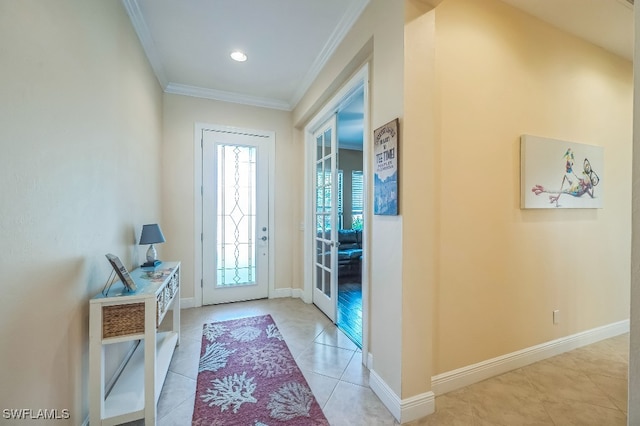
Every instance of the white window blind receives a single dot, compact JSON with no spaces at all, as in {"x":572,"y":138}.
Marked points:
{"x":340,"y":192}
{"x":357,"y":198}
{"x":357,"y":192}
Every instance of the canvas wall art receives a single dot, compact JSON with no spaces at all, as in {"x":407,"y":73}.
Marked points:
{"x":560,"y":174}
{"x":385,"y":175}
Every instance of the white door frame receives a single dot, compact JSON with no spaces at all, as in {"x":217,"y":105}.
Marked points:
{"x":270,"y":140}
{"x":342,"y":97}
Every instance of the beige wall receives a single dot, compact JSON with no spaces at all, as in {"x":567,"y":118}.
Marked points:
{"x":376,"y":37}
{"x":500,"y":270}
{"x":181,"y":113}
{"x":79,"y":166}
{"x":634,"y":347}
{"x":419,"y":193}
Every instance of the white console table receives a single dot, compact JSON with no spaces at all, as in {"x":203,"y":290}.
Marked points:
{"x":123,"y":316}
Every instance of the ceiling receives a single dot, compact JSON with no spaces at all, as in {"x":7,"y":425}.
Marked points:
{"x":188,"y":42}
{"x":287,"y":42}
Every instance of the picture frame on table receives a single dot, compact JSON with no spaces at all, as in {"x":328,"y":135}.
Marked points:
{"x":121,"y":271}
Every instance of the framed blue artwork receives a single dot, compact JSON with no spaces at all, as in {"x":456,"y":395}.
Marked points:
{"x":385,"y":175}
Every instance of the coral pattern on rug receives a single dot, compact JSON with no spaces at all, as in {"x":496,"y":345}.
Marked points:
{"x":247,"y":376}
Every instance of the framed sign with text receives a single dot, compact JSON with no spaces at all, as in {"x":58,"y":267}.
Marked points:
{"x":385,"y":169}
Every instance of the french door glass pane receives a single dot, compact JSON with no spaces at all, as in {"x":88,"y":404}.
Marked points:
{"x":327,"y":256}
{"x":319,"y":187}
{"x":319,"y":276}
{"x":327,"y":283}
{"x":327,"y":185}
{"x":320,"y":143}
{"x":236,"y":250}
{"x":327,"y":142}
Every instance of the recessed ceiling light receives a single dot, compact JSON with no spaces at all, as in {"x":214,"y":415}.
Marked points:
{"x":239,"y":56}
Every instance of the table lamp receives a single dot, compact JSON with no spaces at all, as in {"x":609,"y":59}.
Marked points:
{"x":151,"y":234}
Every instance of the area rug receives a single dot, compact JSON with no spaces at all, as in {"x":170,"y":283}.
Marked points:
{"x":247,"y":376}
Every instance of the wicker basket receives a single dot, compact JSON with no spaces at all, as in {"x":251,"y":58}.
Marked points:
{"x":122,"y":320}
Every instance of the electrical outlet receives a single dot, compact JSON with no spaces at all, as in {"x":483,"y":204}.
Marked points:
{"x":556,"y":316}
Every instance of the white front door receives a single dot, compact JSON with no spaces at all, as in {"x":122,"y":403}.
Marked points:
{"x":235,"y":216}
{"x":326,"y":219}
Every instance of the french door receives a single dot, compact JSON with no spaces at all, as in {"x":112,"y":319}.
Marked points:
{"x":326,"y":219}
{"x":235,"y":216}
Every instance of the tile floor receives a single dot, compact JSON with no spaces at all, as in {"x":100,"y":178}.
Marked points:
{"x":587,"y":386}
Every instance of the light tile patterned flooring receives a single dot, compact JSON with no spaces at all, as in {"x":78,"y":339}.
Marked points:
{"x":587,"y":386}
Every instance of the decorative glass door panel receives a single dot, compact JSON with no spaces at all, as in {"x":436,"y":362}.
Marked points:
{"x":235,"y":217}
{"x":326,"y":187}
{"x":236,"y":245}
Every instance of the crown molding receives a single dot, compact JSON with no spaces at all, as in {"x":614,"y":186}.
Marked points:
{"x":338,"y":35}
{"x":144,"y":35}
{"x":220,"y":95}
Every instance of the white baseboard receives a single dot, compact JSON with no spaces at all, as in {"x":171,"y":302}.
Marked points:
{"x":286,"y":292}
{"x":280,"y":292}
{"x":385,"y":393}
{"x":418,"y":406}
{"x":190,"y":302}
{"x":404,"y":410}
{"x":187,"y":302}
{"x":297,"y":293}
{"x":465,"y":376}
